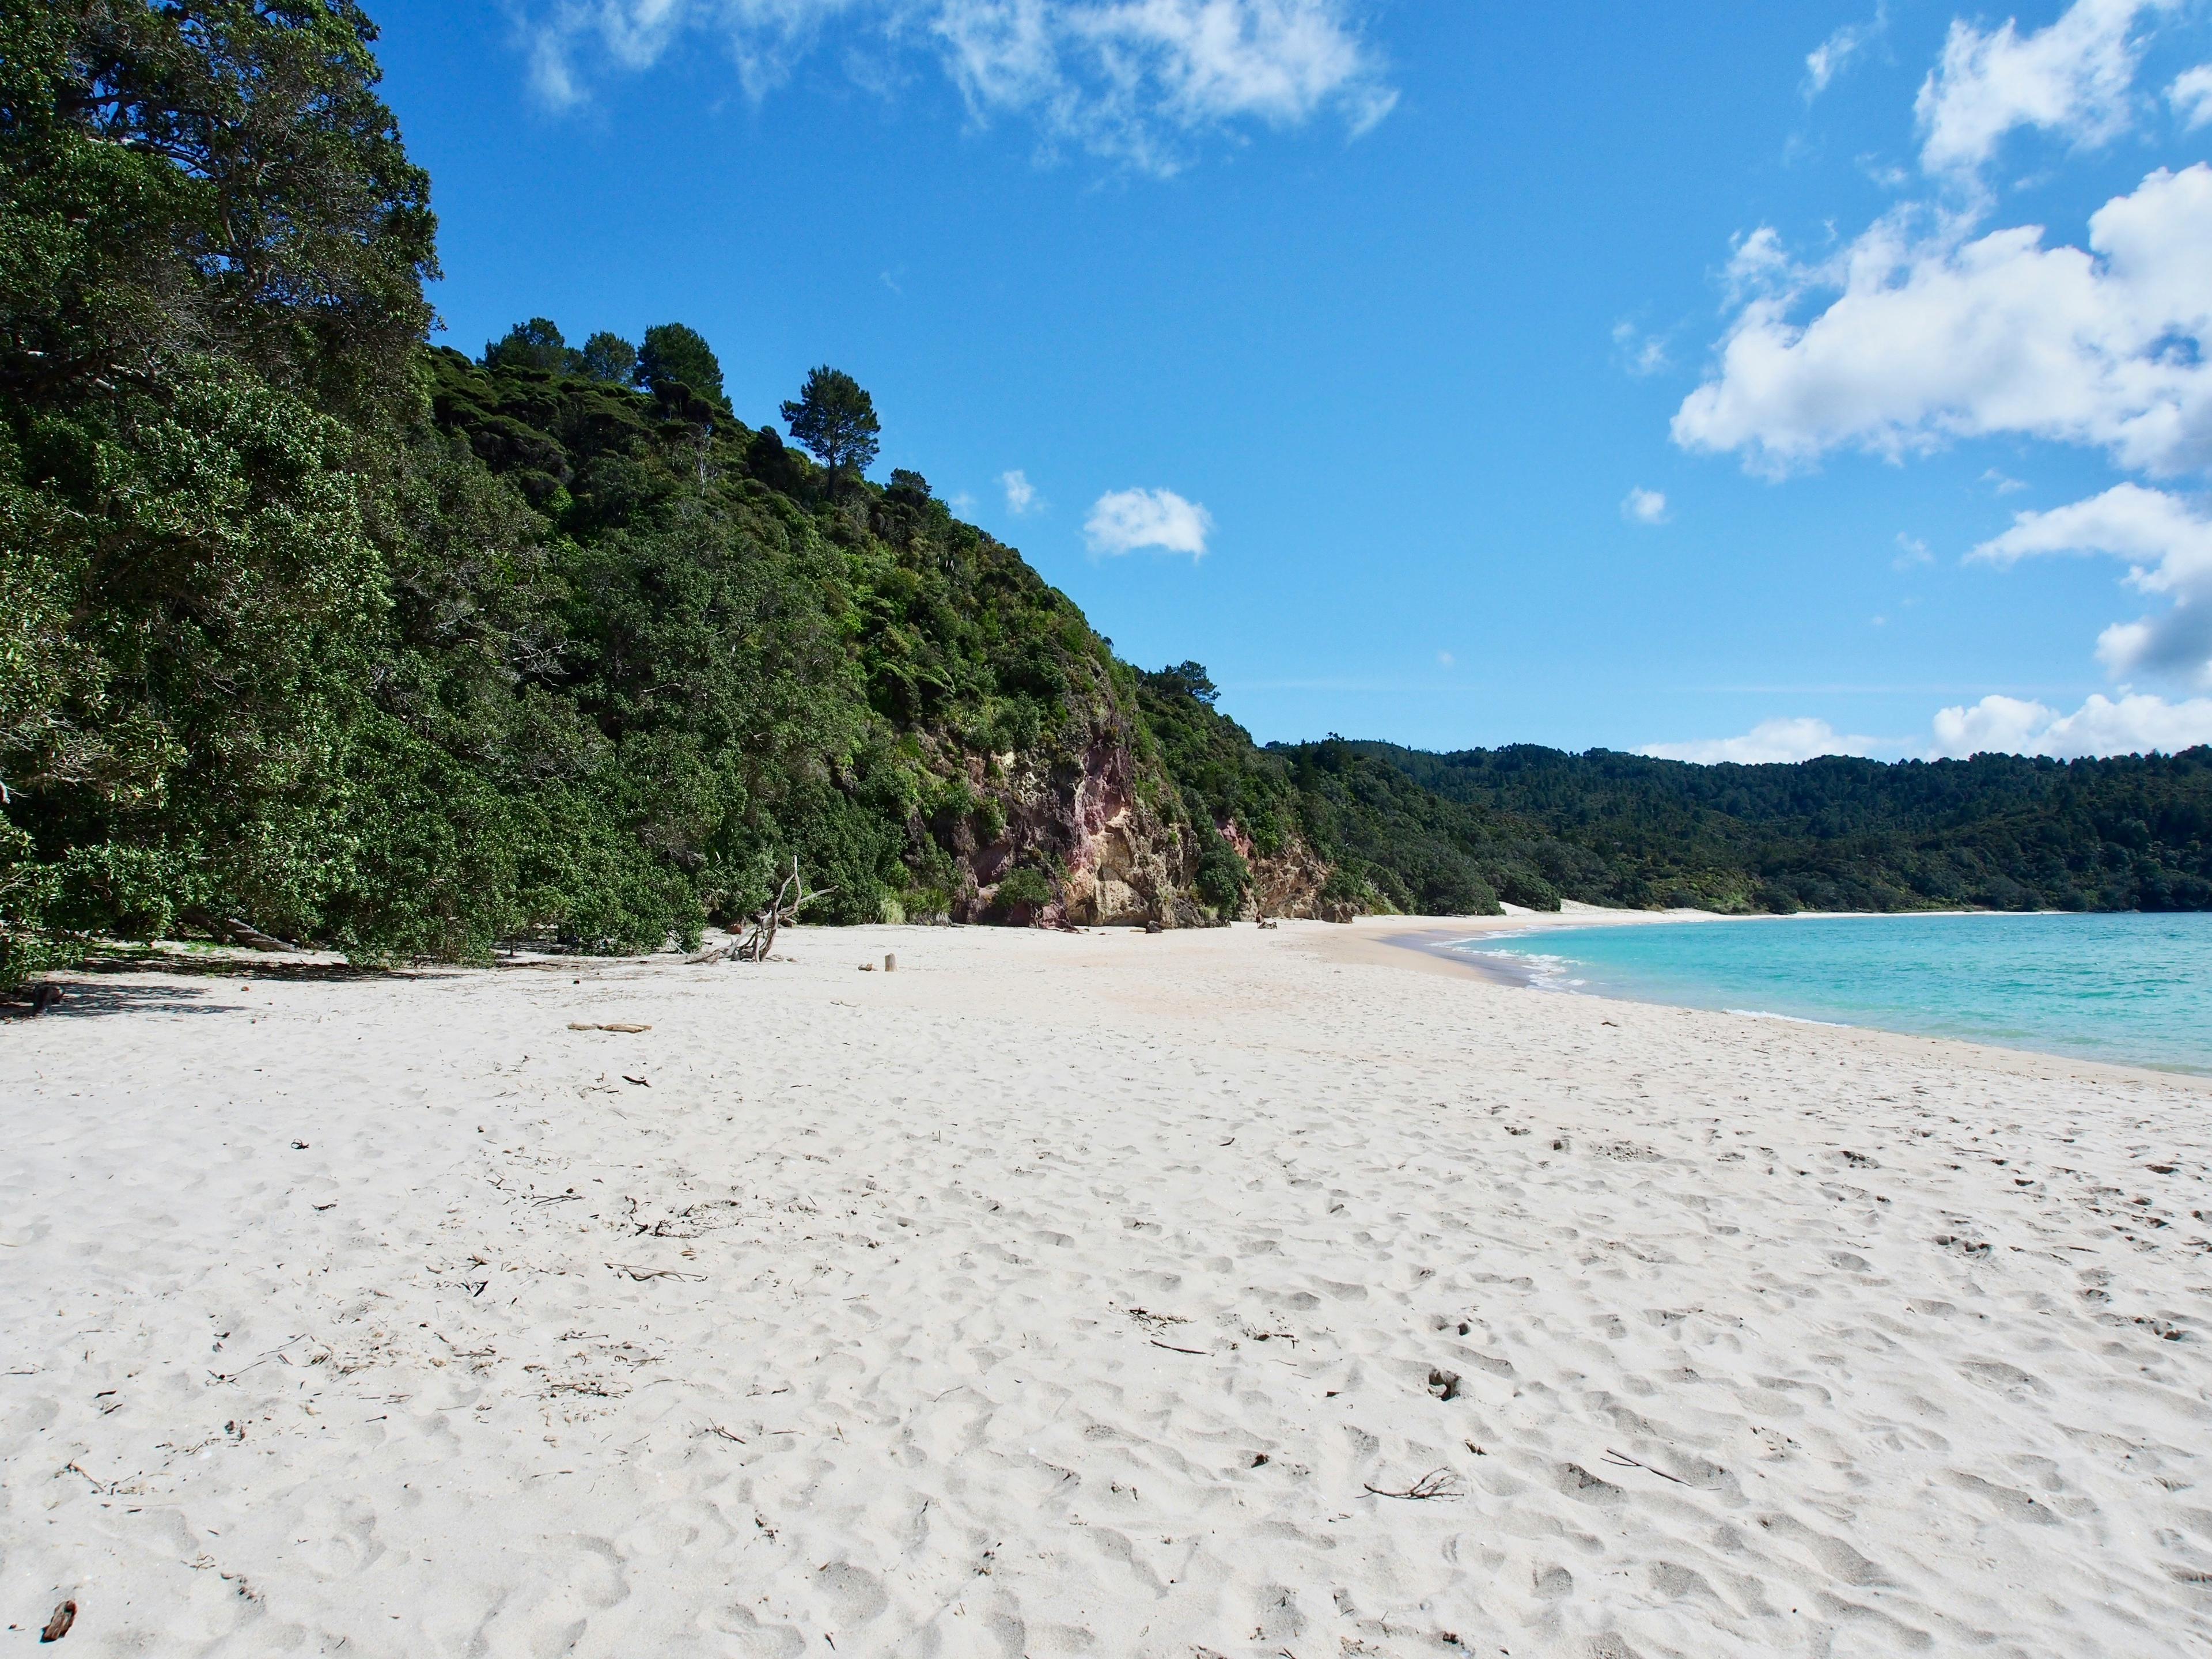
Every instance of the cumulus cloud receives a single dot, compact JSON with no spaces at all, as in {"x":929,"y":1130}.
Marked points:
{"x":1642,"y":506}
{"x":1933,"y":334}
{"x":1021,"y":494}
{"x":2072,"y":80}
{"x":1123,"y":520}
{"x":1135,"y":79}
{"x":2168,"y":544}
{"x":2134,"y":725}
{"x":1768,"y":741}
{"x":1833,"y":55}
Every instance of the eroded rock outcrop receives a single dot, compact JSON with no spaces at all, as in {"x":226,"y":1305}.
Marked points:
{"x":1103,"y":855}
{"x":1287,"y":883}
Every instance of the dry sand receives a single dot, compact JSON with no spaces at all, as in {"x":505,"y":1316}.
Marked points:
{"x":1101,"y":1295}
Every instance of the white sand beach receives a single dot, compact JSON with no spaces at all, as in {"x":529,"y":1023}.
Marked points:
{"x":1218,"y":1293}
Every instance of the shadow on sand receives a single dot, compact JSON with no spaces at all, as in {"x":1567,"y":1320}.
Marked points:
{"x":91,"y":990}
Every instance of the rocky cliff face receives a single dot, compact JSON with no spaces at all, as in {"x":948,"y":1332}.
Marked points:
{"x":1288,"y":883}
{"x":1105,"y":856}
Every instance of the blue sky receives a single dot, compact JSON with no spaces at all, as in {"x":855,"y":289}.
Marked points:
{"x":1456,"y":374}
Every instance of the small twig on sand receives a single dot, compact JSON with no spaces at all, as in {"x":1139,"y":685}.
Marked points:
{"x":1436,"y":1483}
{"x":1628,"y":1462}
{"x":606,"y":1025}
{"x":233,"y":1376}
{"x":643,"y":1273}
{"x":1172,"y":1348}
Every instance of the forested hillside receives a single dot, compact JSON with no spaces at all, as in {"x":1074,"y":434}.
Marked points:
{"x":2000,"y":831}
{"x":309,"y":630}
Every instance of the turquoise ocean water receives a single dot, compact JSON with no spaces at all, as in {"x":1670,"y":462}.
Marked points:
{"x":2134,"y":989}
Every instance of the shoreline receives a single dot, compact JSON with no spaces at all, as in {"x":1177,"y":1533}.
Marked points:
{"x":1433,"y":940}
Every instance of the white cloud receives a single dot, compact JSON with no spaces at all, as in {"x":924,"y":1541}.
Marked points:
{"x":1445,"y":659}
{"x":1021,"y":494}
{"x":1768,"y":741}
{"x":2000,"y":485}
{"x":2134,"y":725}
{"x":2191,"y":95}
{"x":1642,"y":506}
{"x":2071,"y":80}
{"x":1935,"y":336}
{"x":2168,"y":547}
{"x":1135,"y":79}
{"x":1641,"y":354}
{"x":1833,"y":55}
{"x":1910,"y":550}
{"x":1123,"y":520}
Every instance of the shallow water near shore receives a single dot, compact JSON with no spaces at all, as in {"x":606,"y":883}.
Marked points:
{"x":2128,"y":989}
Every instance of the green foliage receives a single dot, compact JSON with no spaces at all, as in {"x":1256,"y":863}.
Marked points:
{"x":535,"y":344}
{"x":1026,"y":885}
{"x":1226,"y":783}
{"x":220,"y":178}
{"x":835,"y":419}
{"x":608,"y":357}
{"x":675,"y":355}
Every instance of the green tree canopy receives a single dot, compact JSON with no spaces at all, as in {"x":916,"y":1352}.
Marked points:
{"x":205,"y":174}
{"x":534,"y":345}
{"x":834,"y":419}
{"x":610,"y":358}
{"x":673,"y":352}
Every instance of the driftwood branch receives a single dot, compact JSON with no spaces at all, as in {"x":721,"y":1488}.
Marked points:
{"x":235,"y":932}
{"x":792,"y":896}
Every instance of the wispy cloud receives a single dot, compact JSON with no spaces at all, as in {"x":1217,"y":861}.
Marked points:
{"x":1123,"y":520}
{"x":2071,"y":80}
{"x":1642,"y":506}
{"x":1834,"y":55}
{"x":1138,"y":81}
{"x":1021,"y":494}
{"x":1641,"y":354}
{"x":1911,"y":551}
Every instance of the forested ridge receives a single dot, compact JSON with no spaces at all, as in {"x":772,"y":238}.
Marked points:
{"x":1994,"y":831}
{"x":311,"y":630}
